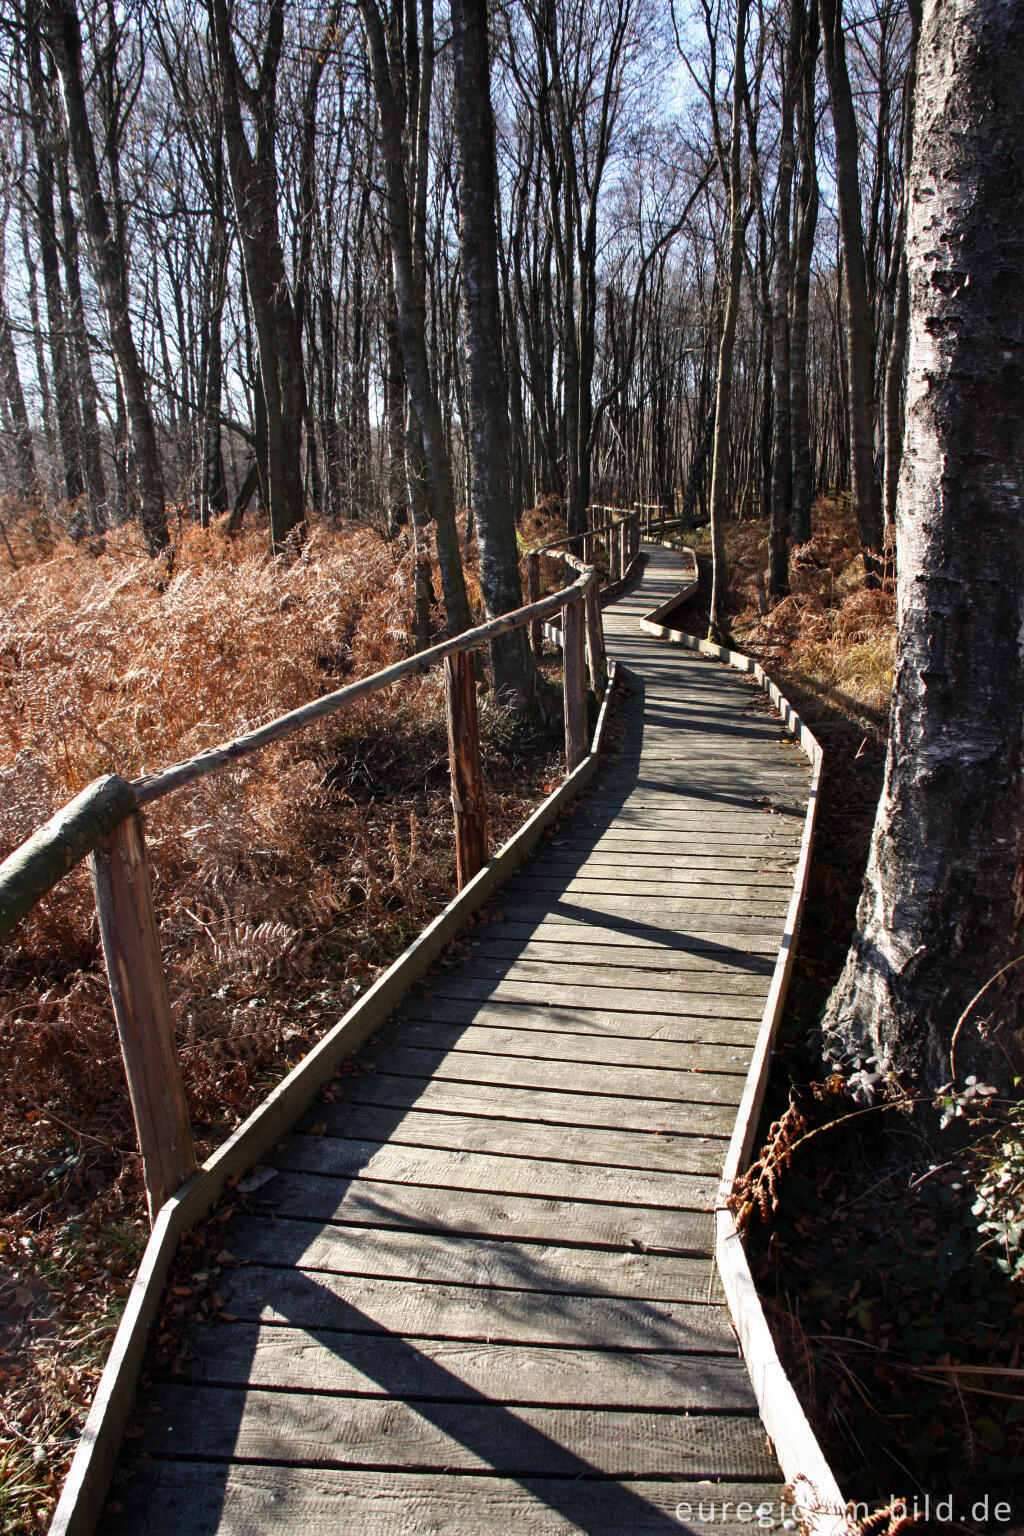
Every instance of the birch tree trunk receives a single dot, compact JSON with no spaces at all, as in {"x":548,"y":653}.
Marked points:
{"x":943,"y":899}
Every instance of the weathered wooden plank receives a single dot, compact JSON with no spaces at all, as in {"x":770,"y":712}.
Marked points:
{"x":342,"y":1156}
{"x":709,"y":1005}
{"x":700,"y":972}
{"x":378,"y":1365}
{"x":691,"y":895}
{"x":457,"y":1259}
{"x":568,"y":926}
{"x":671,"y":1117}
{"x":585,"y":1021}
{"x":620,"y":974}
{"x":534,"y":1040}
{"x":679,"y":1086}
{"x":212,"y":1499}
{"x":368,"y":1203}
{"x":519,"y":903}
{"x":328,"y":1431}
{"x":323,"y":1303}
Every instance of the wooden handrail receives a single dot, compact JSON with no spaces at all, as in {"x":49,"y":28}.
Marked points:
{"x":102,"y":823}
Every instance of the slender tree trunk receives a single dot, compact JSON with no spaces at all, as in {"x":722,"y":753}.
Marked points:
{"x":807,"y":34}
{"x":723,"y":397}
{"x":859,"y":326}
{"x":10,"y":382}
{"x":65,"y":39}
{"x":896,"y":361}
{"x":412,"y":324}
{"x":941,"y":907}
{"x":782,"y":463}
{"x":88,"y":394}
{"x":490,"y":440}
{"x":253,"y":175}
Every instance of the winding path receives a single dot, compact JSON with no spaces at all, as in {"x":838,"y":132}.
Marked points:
{"x":479,"y":1293}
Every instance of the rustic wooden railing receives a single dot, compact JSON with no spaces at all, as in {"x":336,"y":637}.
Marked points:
{"x":103,"y":824}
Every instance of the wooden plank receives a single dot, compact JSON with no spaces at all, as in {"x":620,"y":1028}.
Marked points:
{"x":197,"y":1499}
{"x":621,"y":974}
{"x":322,"y":1303}
{"x":534,"y":1040}
{"x":708,"y":1005}
{"x":341,"y":1156}
{"x":699,"y":971}
{"x":448,"y":1259}
{"x":716,"y":896}
{"x":671,"y":1118}
{"x":681,"y":1085}
{"x":328,"y":1431}
{"x":569,"y":927}
{"x":617,"y":1024}
{"x":366,"y":1203}
{"x":719,"y":925}
{"x":376,"y":1365}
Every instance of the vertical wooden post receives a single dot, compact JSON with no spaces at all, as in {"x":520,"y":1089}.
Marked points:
{"x":533,"y":596}
{"x":595,"y":641}
{"x":614,"y":551}
{"x":138,"y":989}
{"x":624,"y":546}
{"x":464,"y":763}
{"x":574,"y":685}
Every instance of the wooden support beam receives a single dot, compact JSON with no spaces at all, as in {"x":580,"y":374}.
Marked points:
{"x":614,"y":550}
{"x":464,"y":763}
{"x":574,"y":685}
{"x":595,"y":641}
{"x":623,"y":546}
{"x":533,"y":596}
{"x":138,"y":989}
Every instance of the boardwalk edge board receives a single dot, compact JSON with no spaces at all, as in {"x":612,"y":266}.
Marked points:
{"x":92,"y":1466}
{"x":801,"y":1458}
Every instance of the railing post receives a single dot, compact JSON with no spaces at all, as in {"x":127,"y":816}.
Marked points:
{"x":595,"y":640}
{"x":614,"y":552}
{"x":574,"y":685}
{"x":533,"y":596}
{"x":464,"y":764}
{"x":624,"y":546}
{"x":142,"y":1009}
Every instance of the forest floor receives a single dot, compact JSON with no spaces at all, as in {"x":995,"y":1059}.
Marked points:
{"x":892,"y":1303}
{"x":282,"y":888}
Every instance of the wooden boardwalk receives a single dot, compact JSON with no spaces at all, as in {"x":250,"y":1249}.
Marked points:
{"x":478,"y":1295}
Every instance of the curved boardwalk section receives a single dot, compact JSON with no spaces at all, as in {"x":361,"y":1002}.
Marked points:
{"x":479,"y":1293}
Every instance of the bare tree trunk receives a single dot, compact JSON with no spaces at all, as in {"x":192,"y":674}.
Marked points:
{"x":10,"y":383}
{"x":65,"y":39}
{"x":409,"y":301}
{"x":782,"y":468}
{"x":88,"y":394}
{"x":723,"y":397}
{"x":941,"y":907}
{"x":807,"y":35}
{"x":513,"y":670}
{"x":896,"y":360}
{"x":859,"y":329}
{"x":253,"y":173}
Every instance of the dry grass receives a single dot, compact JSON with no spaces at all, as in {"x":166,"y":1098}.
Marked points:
{"x":281,"y":886}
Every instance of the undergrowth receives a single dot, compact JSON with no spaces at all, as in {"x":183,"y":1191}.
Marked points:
{"x":282,"y":887}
